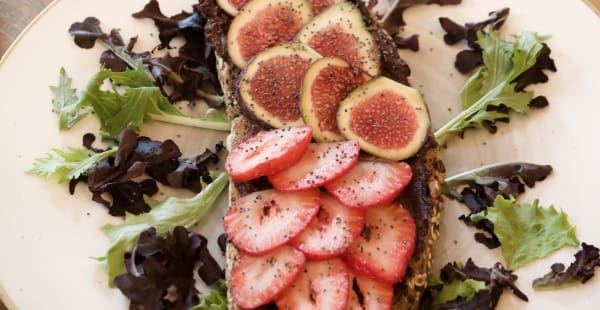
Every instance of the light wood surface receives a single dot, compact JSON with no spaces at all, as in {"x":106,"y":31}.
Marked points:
{"x":594,"y":5}
{"x":15,"y":15}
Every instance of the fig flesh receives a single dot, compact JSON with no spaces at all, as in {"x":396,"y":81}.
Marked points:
{"x":261,"y":24}
{"x":326,"y":83}
{"x":319,"y":5}
{"x":269,"y":86}
{"x":389,"y":119}
{"x":232,"y":7}
{"x":339,"y":31}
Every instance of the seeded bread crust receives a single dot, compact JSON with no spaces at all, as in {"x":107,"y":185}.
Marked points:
{"x":422,"y":195}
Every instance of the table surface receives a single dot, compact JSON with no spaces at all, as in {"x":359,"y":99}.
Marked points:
{"x":15,"y":15}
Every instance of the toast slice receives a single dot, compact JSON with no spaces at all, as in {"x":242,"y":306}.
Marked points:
{"x":422,"y":197}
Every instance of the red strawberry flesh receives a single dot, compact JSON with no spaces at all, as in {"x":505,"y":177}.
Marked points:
{"x":332,"y":231}
{"x":371,"y":183}
{"x":369,"y":294}
{"x":264,"y":220}
{"x":321,"y":163}
{"x":385,"y":245}
{"x":322,"y":285}
{"x":257,"y":280}
{"x":268,"y":152}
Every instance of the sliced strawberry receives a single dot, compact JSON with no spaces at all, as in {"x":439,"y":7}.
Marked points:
{"x":371,"y":183}
{"x":322,"y":163}
{"x":385,"y":245}
{"x":268,"y":152}
{"x":261,"y":221}
{"x":369,"y":294}
{"x":332,"y":231}
{"x":322,"y":285}
{"x":257,"y":280}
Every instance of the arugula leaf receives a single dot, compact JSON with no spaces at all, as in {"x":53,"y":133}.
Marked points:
{"x":527,"y":231}
{"x":491,"y":89}
{"x":68,"y":163}
{"x":66,"y":103}
{"x":215,"y":300}
{"x":139,"y":102}
{"x":164,"y":217}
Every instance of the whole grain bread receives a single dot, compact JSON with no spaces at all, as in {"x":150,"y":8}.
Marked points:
{"x":422,"y":197}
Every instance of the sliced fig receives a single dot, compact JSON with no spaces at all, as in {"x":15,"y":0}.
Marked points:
{"x":326,"y":83}
{"x":319,"y":5}
{"x":389,"y":119}
{"x":340,"y":31}
{"x":232,"y":7}
{"x":269,"y":86}
{"x":261,"y":24}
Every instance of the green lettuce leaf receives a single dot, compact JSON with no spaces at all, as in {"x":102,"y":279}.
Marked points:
{"x":134,"y":100}
{"x":215,"y":300}
{"x":68,"y":163}
{"x":493,"y":84}
{"x":468,"y":286}
{"x":456,"y":288}
{"x":164,"y":217}
{"x":527,"y":231}
{"x":66,"y":103}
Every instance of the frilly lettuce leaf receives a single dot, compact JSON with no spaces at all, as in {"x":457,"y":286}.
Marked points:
{"x":164,"y":217}
{"x":527,"y":231}
{"x":66,"y":103}
{"x":68,"y":163}
{"x":134,"y":100}
{"x":455,"y":288}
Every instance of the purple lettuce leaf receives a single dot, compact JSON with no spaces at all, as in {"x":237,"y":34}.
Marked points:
{"x":496,"y":280}
{"x":471,"y":58}
{"x":580,"y":271}
{"x":192,"y":74}
{"x":478,"y":188}
{"x":394,"y":18}
{"x":160,"y":271}
{"x":118,"y":176}
{"x":410,"y":42}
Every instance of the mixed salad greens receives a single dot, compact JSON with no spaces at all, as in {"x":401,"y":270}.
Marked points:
{"x":494,"y":84}
{"x":152,"y":250}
